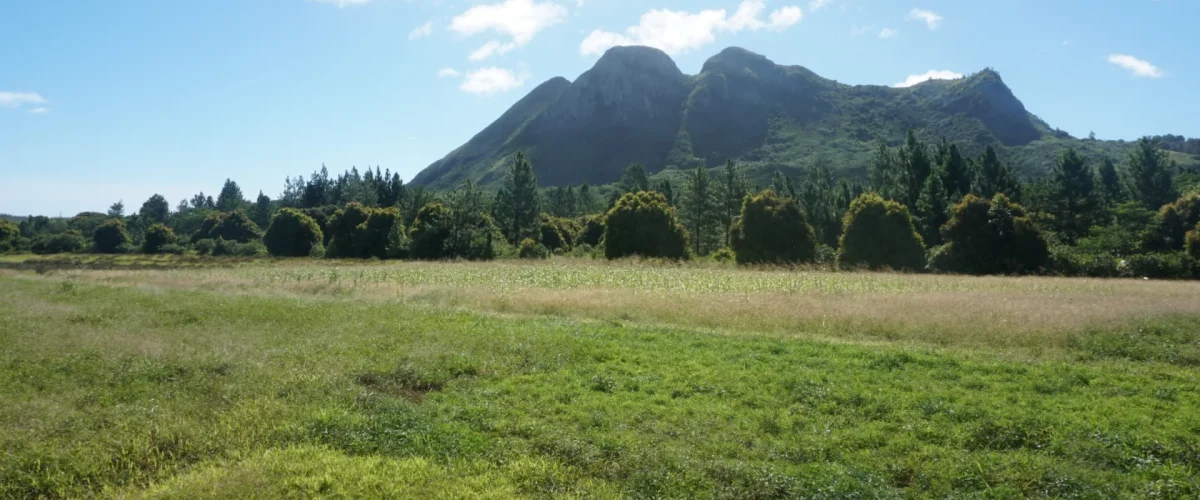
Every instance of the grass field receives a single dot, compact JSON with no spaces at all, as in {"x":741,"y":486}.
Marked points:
{"x":567,"y":378}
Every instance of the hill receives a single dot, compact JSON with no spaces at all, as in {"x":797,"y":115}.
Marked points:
{"x":636,"y":106}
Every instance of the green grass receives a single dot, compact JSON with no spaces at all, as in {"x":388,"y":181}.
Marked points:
{"x":135,"y":383}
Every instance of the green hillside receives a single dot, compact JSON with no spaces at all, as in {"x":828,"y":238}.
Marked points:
{"x":635,"y":106}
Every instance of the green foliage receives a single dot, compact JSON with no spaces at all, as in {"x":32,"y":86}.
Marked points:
{"x":205,"y":246}
{"x":723,"y":255}
{"x":1152,"y":173}
{"x":634,"y":179}
{"x":558,"y":233}
{"x":231,"y":248}
{"x":517,"y":202}
{"x":993,"y":177}
{"x":232,"y":226}
{"x":731,"y":190}
{"x":292,"y":234}
{"x":644,"y":224}
{"x":990,"y":238}
{"x":9,"y":233}
{"x":772,"y":230}
{"x":530,"y":249}
{"x":87,"y":222}
{"x":157,"y":238}
{"x":700,"y":212}
{"x":433,"y":235}
{"x":110,"y":237}
{"x":50,"y":244}
{"x":231,"y":198}
{"x":880,"y":234}
{"x":1173,"y":265}
{"x":1075,"y":199}
{"x":360,"y":232}
{"x":155,"y":210}
{"x":1192,"y":243}
{"x":591,"y":232}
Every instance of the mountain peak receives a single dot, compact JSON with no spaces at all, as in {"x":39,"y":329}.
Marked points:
{"x":737,"y":59}
{"x":637,"y":58}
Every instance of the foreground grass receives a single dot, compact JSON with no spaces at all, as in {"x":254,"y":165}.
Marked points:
{"x":153,"y":389}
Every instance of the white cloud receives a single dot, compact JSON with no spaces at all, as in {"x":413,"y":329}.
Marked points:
{"x":888,"y":33}
{"x":1137,"y":67}
{"x":18,"y":99}
{"x":39,"y":111}
{"x":676,"y":32}
{"x":931,"y":18}
{"x":448,"y":73}
{"x":929,"y":75}
{"x":490,"y":48}
{"x":421,"y":31}
{"x":488,"y":81}
{"x":518,"y":19}
{"x":818,"y":4}
{"x":857,"y":31}
{"x":343,"y":3}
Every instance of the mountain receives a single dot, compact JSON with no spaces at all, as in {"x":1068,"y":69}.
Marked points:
{"x":636,"y":106}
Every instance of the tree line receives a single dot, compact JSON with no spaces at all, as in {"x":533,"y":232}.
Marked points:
{"x":921,"y":207}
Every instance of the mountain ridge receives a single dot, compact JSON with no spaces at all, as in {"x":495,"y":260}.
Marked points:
{"x":635,"y":106}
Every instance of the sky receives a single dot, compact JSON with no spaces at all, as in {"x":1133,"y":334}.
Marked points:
{"x":110,"y":100}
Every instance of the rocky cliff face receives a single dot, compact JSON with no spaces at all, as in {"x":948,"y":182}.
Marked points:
{"x":636,"y":106}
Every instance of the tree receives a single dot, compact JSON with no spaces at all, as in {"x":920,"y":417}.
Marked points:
{"x":9,"y":233}
{"x":879,"y":233}
{"x":634,"y":179}
{"x":293,"y":234}
{"x":231,"y":197}
{"x":731,"y":191}
{"x":1172,"y":223}
{"x":773,"y":229}
{"x":117,"y":209}
{"x":471,"y":230}
{"x":111,"y":236}
{"x":155,"y":210}
{"x":885,"y":173}
{"x":1152,"y":173}
{"x":643,"y":224}
{"x":1112,"y":191}
{"x":699,"y":211}
{"x":994,"y":237}
{"x":1074,"y":196}
{"x":916,"y":166}
{"x":261,"y":212}
{"x":1192,"y":244}
{"x":157,"y":237}
{"x":664,"y":187}
{"x":232,"y":226}
{"x":517,"y":202}
{"x":956,"y":173}
{"x":48,"y":244}
{"x":817,"y":198}
{"x":993,"y":177}
{"x":933,"y":209}
{"x":318,"y":190}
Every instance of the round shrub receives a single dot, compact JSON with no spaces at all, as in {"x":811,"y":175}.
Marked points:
{"x":49,"y":244}
{"x":644,"y":224}
{"x":292,"y":234}
{"x":429,"y":232}
{"x":530,"y":249}
{"x":772,"y":230}
{"x":591,"y":231}
{"x":1192,"y":243}
{"x":110,"y":237}
{"x":723,"y":255}
{"x":879,"y":233}
{"x":9,"y":233}
{"x":205,"y":246}
{"x":991,"y":238}
{"x":158,"y":237}
{"x":232,"y":226}
{"x":359,"y":232}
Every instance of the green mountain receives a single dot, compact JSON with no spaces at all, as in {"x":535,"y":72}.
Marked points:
{"x":636,"y":106}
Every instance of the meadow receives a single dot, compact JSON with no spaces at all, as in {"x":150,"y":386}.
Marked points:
{"x":134,"y":377}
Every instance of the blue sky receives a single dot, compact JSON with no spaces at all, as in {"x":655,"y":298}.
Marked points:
{"x":107,"y":100}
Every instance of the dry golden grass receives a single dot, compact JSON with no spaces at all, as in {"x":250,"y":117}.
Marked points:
{"x":961,"y":311}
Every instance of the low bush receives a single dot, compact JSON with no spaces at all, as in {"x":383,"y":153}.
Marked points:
{"x":50,"y":244}
{"x":293,"y":234}
{"x":530,"y":249}
{"x":157,"y":237}
{"x":1174,"y":265}
{"x":1070,"y":261}
{"x":231,"y":226}
{"x":205,"y":246}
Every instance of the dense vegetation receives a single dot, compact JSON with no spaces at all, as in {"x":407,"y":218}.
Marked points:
{"x":919,"y":207}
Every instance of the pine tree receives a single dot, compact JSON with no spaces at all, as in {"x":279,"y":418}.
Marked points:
{"x":732,"y":190}
{"x":517,"y":204}
{"x":993,"y":177}
{"x":884,"y":172}
{"x":664,"y":187}
{"x":1073,"y":194}
{"x":956,"y":173}
{"x":917,"y":165}
{"x":261,"y":213}
{"x":933,"y":209}
{"x":1112,"y":190}
{"x":230,"y":198}
{"x":779,"y":184}
{"x":586,"y":201}
{"x":1153,"y":174}
{"x":634,"y":179}
{"x":699,"y":211}
{"x":155,"y":210}
{"x":117,"y":209}
{"x":817,"y":198}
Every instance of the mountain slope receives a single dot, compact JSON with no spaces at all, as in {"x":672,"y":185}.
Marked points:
{"x":635,"y":106}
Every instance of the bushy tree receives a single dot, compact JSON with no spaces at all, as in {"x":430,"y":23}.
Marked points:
{"x":434,"y":235}
{"x":517,"y":202}
{"x":773,"y":230}
{"x":990,"y":238}
{"x":429,"y":232}
{"x":1173,"y":221}
{"x":634,"y":179}
{"x":87,"y":222}
{"x":1152,"y":173}
{"x":49,"y":244}
{"x":591,"y":230}
{"x":157,"y":237}
{"x":359,"y":232}
{"x":644,"y":224}
{"x":1192,"y":242}
{"x":293,"y":234}
{"x":110,"y":237}
{"x":879,"y":233}
{"x":155,"y":210}
{"x":232,"y":226}
{"x":530,"y":249}
{"x":9,"y":233}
